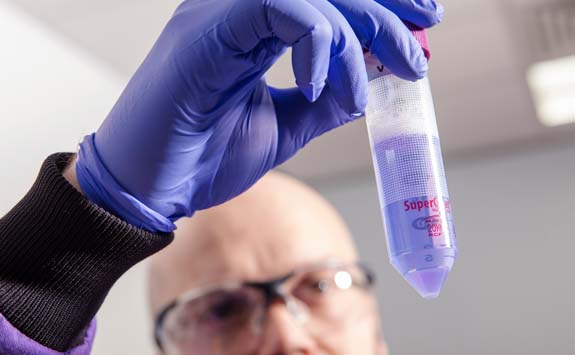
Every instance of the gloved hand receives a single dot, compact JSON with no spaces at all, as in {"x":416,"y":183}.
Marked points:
{"x":197,"y":124}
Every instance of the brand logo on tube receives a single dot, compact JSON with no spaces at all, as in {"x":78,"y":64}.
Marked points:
{"x":419,"y":205}
{"x":432,"y":224}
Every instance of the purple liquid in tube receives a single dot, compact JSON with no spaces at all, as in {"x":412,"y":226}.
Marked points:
{"x":417,"y":210}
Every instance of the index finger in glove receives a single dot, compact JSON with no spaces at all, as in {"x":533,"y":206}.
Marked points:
{"x":386,"y":36}
{"x":423,"y":13}
{"x":347,"y":76}
{"x":295,"y":23}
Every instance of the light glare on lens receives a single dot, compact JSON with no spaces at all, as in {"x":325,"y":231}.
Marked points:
{"x":343,"y":280}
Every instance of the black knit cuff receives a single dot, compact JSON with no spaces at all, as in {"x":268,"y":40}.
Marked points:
{"x":59,"y":256}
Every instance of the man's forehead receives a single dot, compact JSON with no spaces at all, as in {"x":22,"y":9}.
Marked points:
{"x":275,"y":227}
{"x":263,"y":247}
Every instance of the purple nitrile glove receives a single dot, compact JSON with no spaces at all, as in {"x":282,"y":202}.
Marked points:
{"x":197,"y":124}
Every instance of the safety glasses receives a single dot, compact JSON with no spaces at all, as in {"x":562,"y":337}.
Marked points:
{"x":228,"y":318}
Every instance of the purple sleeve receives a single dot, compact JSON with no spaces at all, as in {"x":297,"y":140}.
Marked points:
{"x":12,"y":341}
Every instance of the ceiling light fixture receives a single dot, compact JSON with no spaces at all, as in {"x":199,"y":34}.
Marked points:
{"x":552,"y":85}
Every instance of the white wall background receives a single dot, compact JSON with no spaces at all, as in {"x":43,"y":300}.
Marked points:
{"x":510,"y":292}
{"x":51,"y":94}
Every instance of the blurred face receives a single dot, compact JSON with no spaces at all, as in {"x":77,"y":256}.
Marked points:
{"x":272,"y":272}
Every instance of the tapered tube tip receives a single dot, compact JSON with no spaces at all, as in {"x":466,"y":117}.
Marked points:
{"x":427,"y":282}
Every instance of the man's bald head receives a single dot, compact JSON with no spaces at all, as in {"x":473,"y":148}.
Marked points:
{"x":277,"y":225}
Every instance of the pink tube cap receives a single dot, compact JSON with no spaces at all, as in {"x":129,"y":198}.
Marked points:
{"x":421,"y":35}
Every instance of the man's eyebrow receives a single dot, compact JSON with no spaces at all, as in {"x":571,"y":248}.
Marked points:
{"x":326,"y":262}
